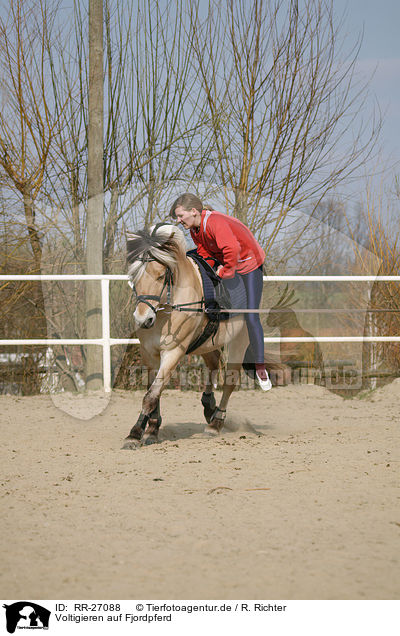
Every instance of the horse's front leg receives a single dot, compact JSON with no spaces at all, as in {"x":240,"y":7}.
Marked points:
{"x":136,"y":433}
{"x":150,"y":414}
{"x":150,"y":435}
{"x":154,"y":421}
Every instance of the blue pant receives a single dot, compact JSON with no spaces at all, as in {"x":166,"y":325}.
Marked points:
{"x":253,"y":282}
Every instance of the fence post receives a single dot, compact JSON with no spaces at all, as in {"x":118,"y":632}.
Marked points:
{"x":105,"y":315}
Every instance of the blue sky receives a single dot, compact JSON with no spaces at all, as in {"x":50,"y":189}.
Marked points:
{"x":379,"y":56}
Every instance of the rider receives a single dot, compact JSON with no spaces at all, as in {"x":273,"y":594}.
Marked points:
{"x":231,"y":243}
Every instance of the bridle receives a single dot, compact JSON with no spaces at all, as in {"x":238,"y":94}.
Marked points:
{"x":167,"y":284}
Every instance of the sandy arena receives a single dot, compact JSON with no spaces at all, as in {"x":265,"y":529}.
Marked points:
{"x":302,"y":501}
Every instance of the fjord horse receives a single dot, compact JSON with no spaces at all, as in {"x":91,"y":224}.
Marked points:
{"x":169,"y":318}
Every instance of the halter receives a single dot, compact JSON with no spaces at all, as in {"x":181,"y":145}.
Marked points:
{"x":168,"y":282}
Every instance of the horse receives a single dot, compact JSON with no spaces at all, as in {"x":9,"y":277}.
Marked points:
{"x":170,"y":320}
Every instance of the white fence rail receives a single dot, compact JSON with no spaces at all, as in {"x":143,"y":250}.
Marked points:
{"x":106,"y":342}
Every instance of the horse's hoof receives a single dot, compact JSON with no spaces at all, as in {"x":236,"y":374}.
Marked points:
{"x":217,"y":419}
{"x":210,"y":432}
{"x":131,"y":444}
{"x":149,"y":440}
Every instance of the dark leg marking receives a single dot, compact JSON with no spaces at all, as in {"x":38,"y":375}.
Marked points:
{"x":209,"y":404}
{"x":137,"y":430}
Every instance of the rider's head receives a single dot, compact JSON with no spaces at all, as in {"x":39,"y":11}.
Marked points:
{"x":187,"y":210}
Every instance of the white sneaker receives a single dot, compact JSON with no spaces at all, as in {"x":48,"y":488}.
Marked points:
{"x":266,"y":385}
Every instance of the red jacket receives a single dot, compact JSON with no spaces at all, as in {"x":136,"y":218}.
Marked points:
{"x":229,"y":241}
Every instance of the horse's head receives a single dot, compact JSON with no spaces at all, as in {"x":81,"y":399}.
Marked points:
{"x":153,"y":257}
{"x":152,"y":292}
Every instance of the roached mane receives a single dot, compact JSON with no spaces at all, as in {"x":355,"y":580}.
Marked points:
{"x":164,"y":243}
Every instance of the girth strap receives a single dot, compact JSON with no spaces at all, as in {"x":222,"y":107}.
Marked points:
{"x":210,"y":329}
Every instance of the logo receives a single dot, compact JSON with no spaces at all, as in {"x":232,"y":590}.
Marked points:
{"x":26,"y":615}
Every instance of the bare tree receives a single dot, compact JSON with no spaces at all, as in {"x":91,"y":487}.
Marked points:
{"x":284,"y":104}
{"x":27,"y":129}
{"x":379,"y":217}
{"x":27,"y":122}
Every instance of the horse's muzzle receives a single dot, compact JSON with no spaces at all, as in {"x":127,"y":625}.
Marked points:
{"x":145,"y":320}
{"x":149,"y":322}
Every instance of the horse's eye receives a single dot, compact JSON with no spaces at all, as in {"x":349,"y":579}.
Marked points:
{"x":160,"y":277}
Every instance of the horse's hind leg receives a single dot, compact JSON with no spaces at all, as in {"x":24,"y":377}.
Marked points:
{"x":236,"y":352}
{"x":217,"y":419}
{"x":209,"y":405}
{"x":207,"y":399}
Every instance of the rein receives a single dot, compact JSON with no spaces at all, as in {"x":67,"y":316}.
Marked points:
{"x":167,"y":284}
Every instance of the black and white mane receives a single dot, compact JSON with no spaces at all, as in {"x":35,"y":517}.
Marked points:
{"x":164,"y":243}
